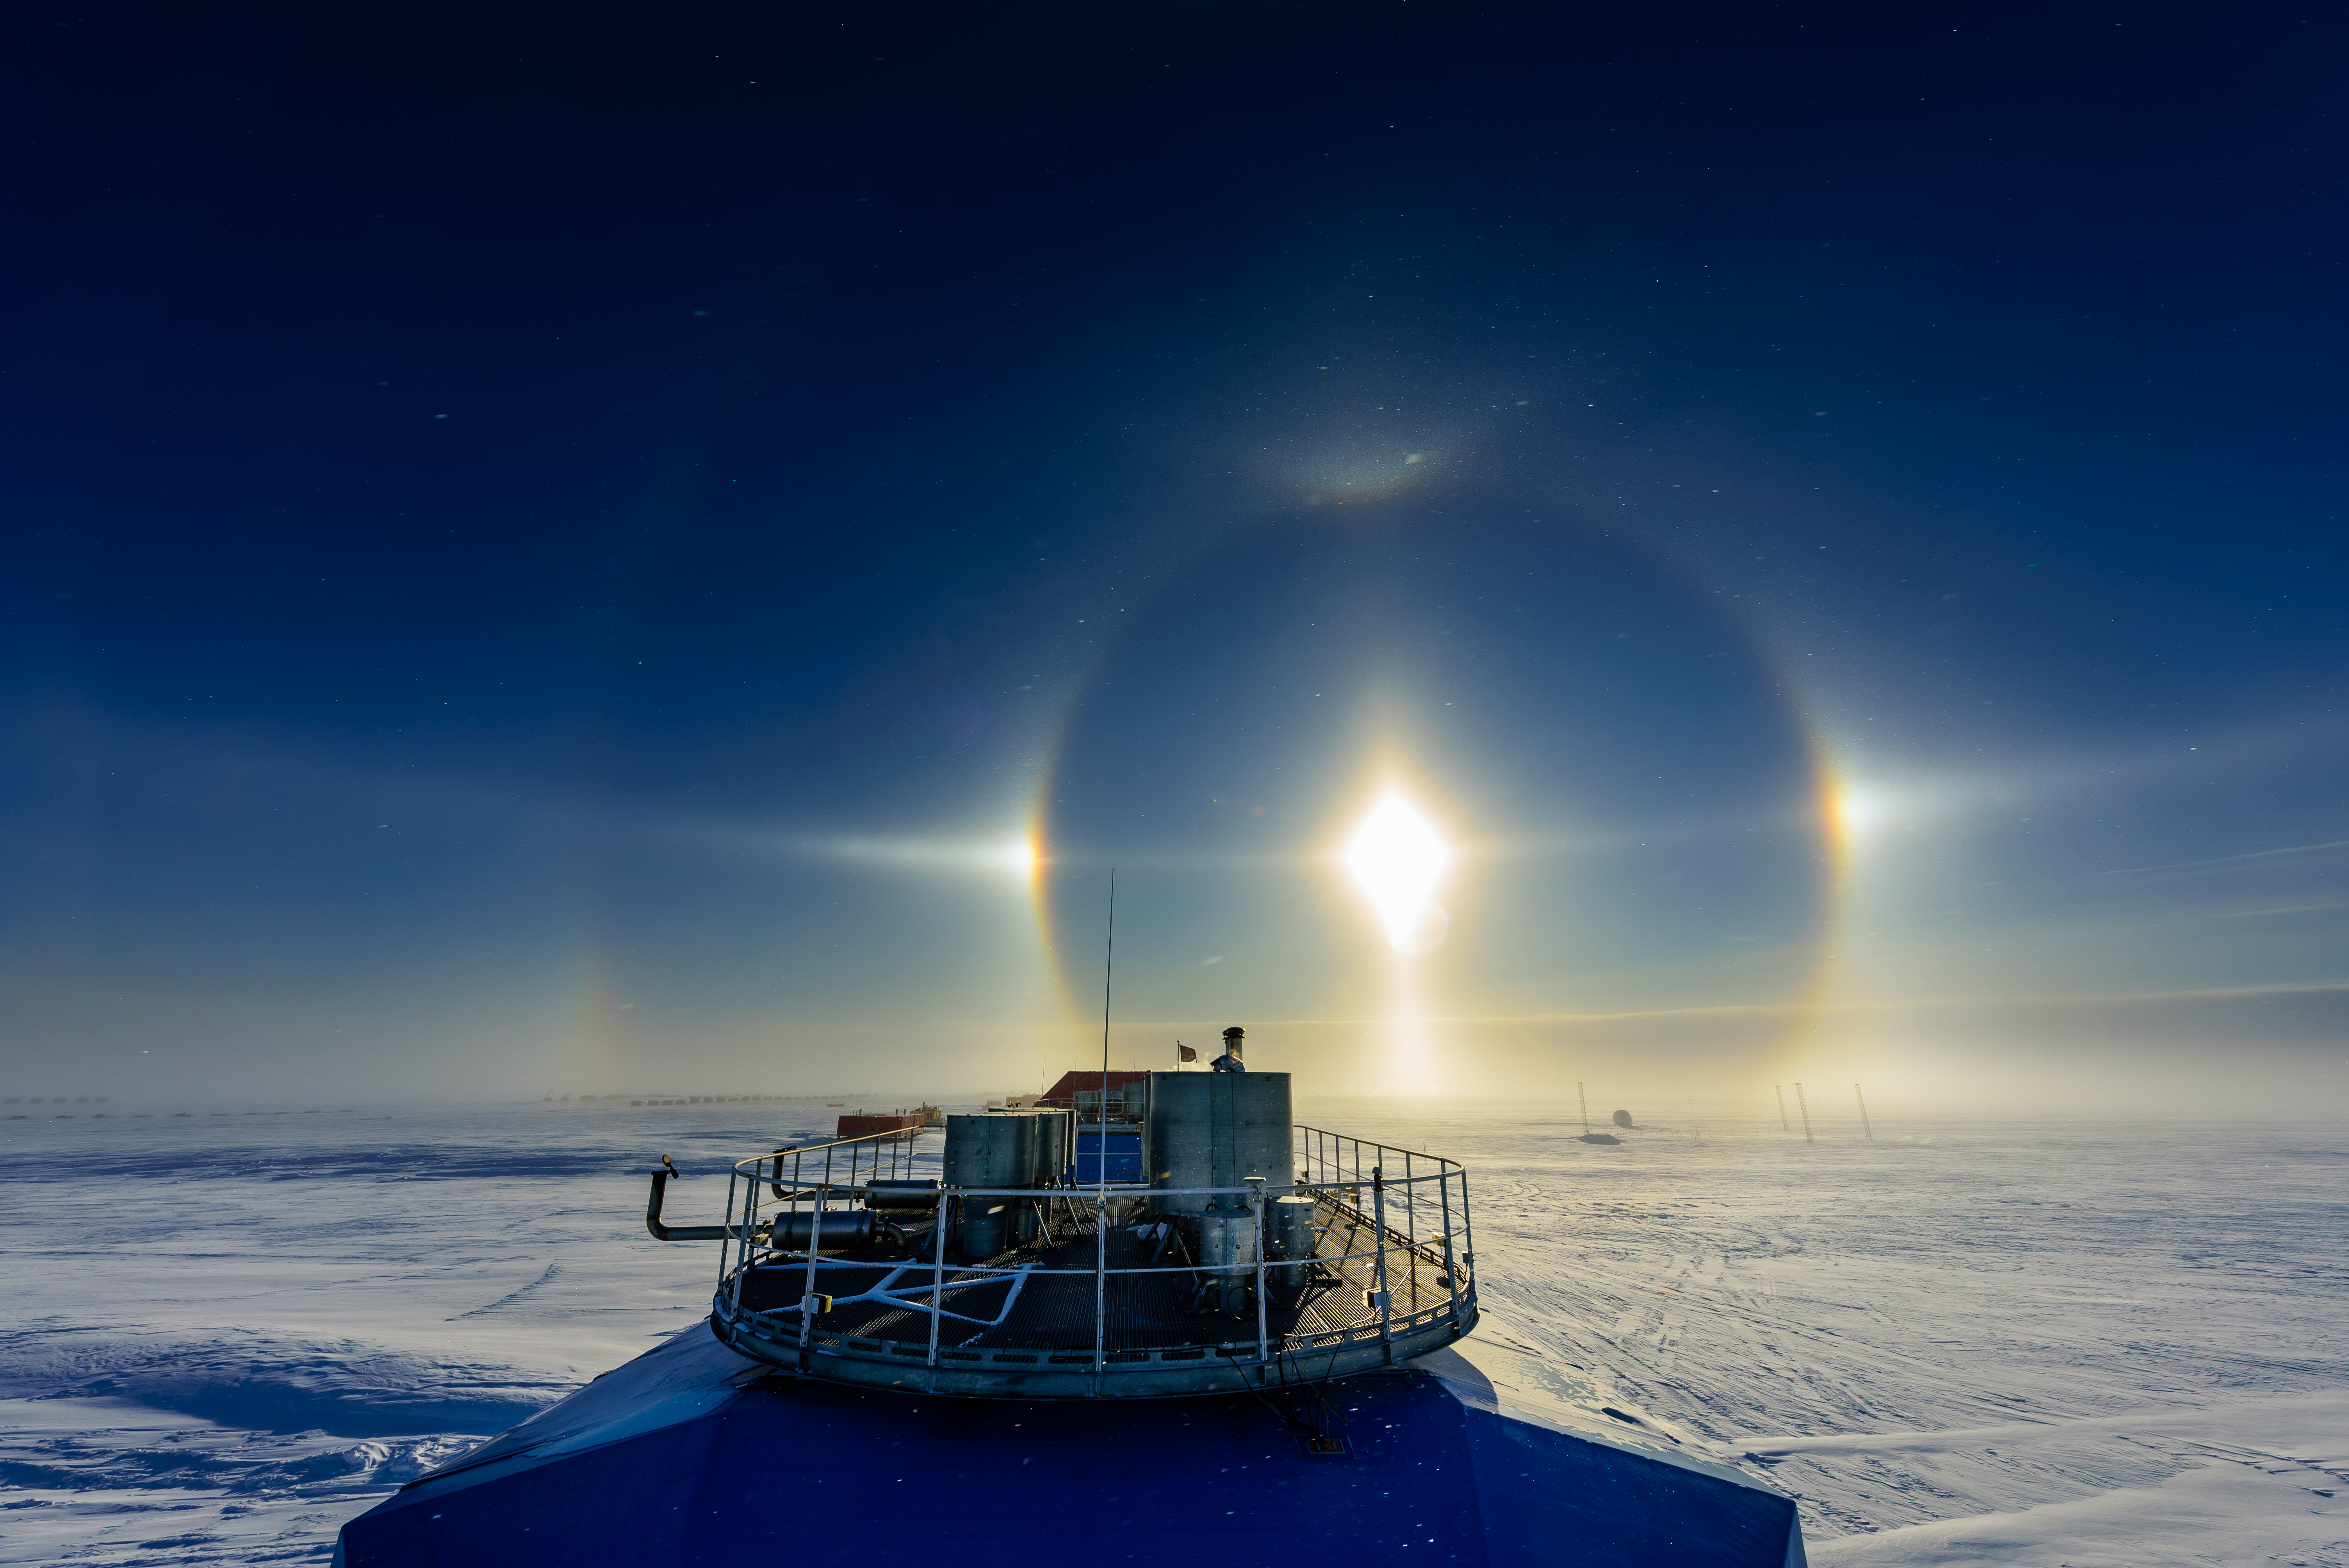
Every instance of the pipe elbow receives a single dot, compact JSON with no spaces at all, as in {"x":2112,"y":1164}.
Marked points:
{"x":653,"y":1203}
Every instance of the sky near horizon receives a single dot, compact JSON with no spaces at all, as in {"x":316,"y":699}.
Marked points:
{"x":649,"y":551}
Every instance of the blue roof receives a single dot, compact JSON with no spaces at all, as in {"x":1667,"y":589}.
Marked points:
{"x":691,"y":1454}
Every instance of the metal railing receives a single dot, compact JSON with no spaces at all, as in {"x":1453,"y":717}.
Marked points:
{"x":1328,"y":1155}
{"x":1390,"y":1270}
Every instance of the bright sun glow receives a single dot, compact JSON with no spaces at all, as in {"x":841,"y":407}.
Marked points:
{"x":1857,"y":810}
{"x":1397,"y":858}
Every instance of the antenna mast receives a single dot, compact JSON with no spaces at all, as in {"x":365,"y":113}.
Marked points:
{"x":1101,"y":1155}
{"x":1109,"y":960}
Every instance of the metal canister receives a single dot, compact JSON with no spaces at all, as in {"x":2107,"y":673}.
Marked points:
{"x":1053,"y":1151}
{"x":1292,"y":1241}
{"x":1049,"y":1168}
{"x":986,"y":1227}
{"x":903,"y":1197}
{"x":1217,"y":1129}
{"x":1227,"y":1256}
{"x":985,"y":1152}
{"x":842,"y":1229}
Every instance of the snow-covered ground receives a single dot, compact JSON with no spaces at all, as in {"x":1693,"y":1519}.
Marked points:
{"x":2047,"y":1343}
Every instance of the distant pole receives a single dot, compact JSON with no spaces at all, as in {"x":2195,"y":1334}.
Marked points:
{"x":1864,"y":1127}
{"x":1585,"y":1101}
{"x":1784,"y":1125}
{"x":1804,"y":1107}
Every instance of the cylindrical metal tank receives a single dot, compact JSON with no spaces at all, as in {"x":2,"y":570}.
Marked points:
{"x":1289,"y":1238}
{"x":993,"y":1150}
{"x":1051,"y":1162}
{"x":842,"y":1229}
{"x":986,"y":1227}
{"x":989,"y":1150}
{"x":1228,"y":1253}
{"x":1217,"y":1129}
{"x":1053,"y":1152}
{"x":903,"y":1197}
{"x":1227,"y":1240}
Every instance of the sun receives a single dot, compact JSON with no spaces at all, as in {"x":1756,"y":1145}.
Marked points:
{"x":1397,"y":858}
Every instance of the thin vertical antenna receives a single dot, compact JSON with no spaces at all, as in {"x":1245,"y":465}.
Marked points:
{"x":1804,"y":1107}
{"x":1784,"y":1125}
{"x":1864,"y":1127}
{"x":1585,"y":1101}
{"x":1101,"y":1157}
{"x":1109,"y":960}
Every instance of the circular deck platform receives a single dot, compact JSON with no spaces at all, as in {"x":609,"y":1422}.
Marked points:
{"x":1024,"y":1325}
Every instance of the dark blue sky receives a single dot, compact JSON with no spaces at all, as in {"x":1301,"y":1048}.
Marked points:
{"x":569,"y":546}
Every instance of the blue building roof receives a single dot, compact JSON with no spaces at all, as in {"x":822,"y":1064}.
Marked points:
{"x":693,"y":1454}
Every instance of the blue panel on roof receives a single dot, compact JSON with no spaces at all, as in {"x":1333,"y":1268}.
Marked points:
{"x":1124,"y":1157}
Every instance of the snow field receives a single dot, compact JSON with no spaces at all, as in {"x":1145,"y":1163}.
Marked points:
{"x":2040,"y":1343}
{"x":2053,"y":1344}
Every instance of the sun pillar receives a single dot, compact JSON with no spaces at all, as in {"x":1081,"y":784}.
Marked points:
{"x":1397,"y":861}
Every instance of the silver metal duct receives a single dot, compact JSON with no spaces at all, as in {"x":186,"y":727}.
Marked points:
{"x":1228,"y":1253}
{"x":842,"y":1230}
{"x":1289,"y":1240}
{"x":1217,"y":1129}
{"x":994,"y":1150}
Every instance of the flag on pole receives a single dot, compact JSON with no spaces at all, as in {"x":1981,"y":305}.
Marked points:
{"x":1184,"y":1053}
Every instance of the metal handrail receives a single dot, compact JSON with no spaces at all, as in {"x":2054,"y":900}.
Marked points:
{"x":1384,"y":1148}
{"x":1359,"y":1184}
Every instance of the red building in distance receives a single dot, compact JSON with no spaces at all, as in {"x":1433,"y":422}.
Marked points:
{"x":1080,"y":1091}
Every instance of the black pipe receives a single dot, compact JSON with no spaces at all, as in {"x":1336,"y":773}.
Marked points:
{"x":903,"y":1197}
{"x":842,"y":1229}
{"x":679,"y":1232}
